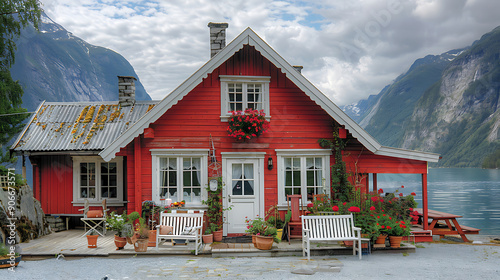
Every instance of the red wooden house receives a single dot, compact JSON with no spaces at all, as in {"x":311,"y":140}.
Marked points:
{"x":171,"y":148}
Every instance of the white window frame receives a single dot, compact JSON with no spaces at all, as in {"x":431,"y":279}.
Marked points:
{"x":281,"y":154}
{"x":157,"y":154}
{"x":77,"y":200}
{"x":226,"y":79}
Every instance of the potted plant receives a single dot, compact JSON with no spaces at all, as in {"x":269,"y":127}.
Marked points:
{"x":265,"y":238}
{"x":8,"y":256}
{"x":92,"y":236}
{"x":152,"y":212}
{"x":141,"y":235}
{"x":263,"y":234}
{"x":254,"y":227}
{"x":247,"y":125}
{"x":396,"y":230}
{"x":119,"y":223}
{"x":208,"y":237}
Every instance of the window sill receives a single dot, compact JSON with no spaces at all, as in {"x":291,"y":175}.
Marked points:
{"x":226,"y":118}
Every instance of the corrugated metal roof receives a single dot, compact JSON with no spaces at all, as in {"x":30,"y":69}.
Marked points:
{"x":79,"y":126}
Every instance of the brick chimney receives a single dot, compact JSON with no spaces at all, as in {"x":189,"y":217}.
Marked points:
{"x":126,"y":90}
{"x":217,"y":37}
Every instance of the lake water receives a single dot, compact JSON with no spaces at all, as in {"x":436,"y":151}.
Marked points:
{"x":469,"y":192}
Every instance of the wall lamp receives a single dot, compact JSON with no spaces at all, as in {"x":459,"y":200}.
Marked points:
{"x":270,"y":163}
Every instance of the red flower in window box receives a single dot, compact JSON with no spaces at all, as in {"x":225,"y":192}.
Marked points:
{"x":248,"y":124}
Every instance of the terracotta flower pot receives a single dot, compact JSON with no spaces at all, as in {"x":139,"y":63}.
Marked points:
{"x":381,"y":239}
{"x":264,"y":242}
{"x":218,"y":236}
{"x":120,"y":242}
{"x":208,"y":238}
{"x":395,"y":241}
{"x":141,"y":245}
{"x":351,"y":243}
{"x":254,"y":240}
{"x":152,"y":238}
{"x":92,"y":241}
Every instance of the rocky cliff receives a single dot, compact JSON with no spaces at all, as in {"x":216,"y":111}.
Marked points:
{"x":55,"y":65}
{"x":447,"y":104}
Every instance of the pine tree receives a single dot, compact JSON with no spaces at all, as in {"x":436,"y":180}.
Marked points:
{"x":14,"y":15}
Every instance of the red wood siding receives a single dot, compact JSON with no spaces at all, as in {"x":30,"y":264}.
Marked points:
{"x":53,"y":184}
{"x":56,"y":184}
{"x":369,"y":163}
{"x":296,"y":122}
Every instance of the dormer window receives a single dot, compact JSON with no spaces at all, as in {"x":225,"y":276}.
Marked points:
{"x":244,"y":92}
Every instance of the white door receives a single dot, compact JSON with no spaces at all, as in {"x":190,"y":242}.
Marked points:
{"x":243,"y":187}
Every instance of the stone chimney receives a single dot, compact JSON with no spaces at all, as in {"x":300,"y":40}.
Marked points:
{"x":126,"y":90}
{"x":217,"y":37}
{"x":298,"y":68}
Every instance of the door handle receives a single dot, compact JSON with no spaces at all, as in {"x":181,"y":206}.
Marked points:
{"x":229,"y":198}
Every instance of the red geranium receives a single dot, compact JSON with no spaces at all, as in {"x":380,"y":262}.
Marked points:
{"x":400,"y":194}
{"x":372,"y":208}
{"x":335,"y":208}
{"x":310,"y":205}
{"x":380,"y":191}
{"x":354,"y":209}
{"x":247,"y":124}
{"x":414,"y":194}
{"x":374,"y":198}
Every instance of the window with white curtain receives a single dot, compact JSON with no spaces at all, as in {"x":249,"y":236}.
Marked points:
{"x":243,"y":181}
{"x":303,"y":172}
{"x":181,"y":175}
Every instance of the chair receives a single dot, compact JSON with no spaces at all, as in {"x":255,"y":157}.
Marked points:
{"x":95,"y":219}
{"x":295,"y":220}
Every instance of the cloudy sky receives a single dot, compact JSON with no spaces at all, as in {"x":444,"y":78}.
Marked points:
{"x":349,"y":49}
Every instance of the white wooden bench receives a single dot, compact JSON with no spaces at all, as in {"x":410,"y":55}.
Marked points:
{"x":179,"y":223}
{"x":330,"y":228}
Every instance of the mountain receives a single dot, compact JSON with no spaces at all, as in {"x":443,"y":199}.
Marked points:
{"x":447,"y":104}
{"x":54,"y":65}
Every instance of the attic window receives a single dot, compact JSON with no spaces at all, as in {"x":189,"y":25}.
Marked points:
{"x":244,"y":92}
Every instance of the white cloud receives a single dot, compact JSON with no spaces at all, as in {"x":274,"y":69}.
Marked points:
{"x":349,"y":49}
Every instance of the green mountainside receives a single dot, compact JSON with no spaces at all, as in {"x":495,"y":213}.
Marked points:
{"x":447,"y":104}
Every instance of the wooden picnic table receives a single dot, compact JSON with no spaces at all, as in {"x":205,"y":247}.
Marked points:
{"x":447,"y":218}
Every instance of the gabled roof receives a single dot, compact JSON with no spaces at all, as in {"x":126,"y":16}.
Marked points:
{"x":78,"y":126}
{"x":249,"y":37}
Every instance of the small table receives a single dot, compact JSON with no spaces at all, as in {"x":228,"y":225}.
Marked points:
{"x":448,"y":219}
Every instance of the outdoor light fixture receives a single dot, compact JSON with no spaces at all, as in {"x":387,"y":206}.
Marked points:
{"x":270,"y":163}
